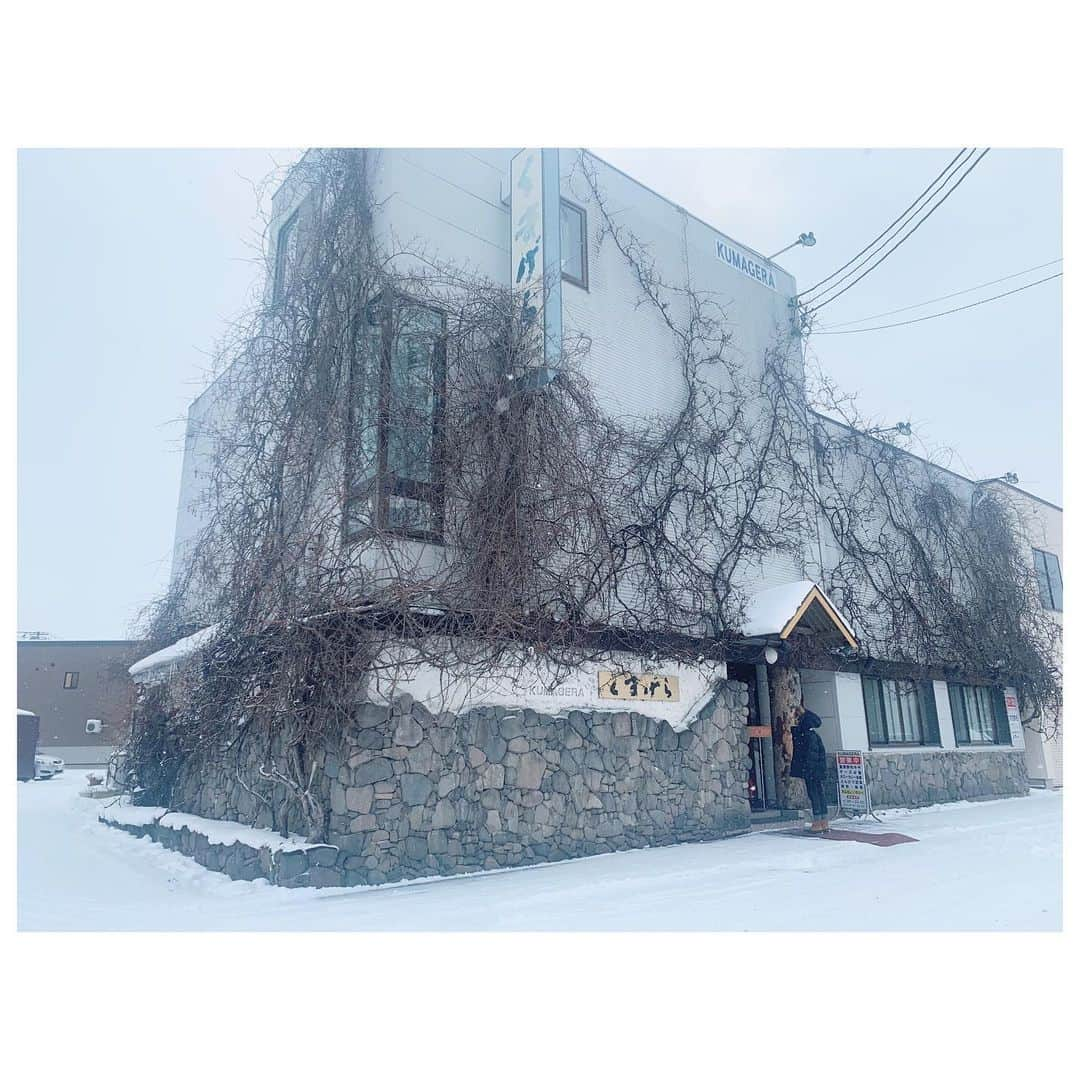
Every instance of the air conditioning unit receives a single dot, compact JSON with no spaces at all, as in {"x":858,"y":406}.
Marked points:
{"x":93,"y":727}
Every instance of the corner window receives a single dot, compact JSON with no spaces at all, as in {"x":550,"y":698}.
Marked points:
{"x":900,"y":712}
{"x":71,"y":680}
{"x":575,"y":248}
{"x":285,"y":255}
{"x":978,"y":715}
{"x":1048,"y":571}
{"x":397,"y":383}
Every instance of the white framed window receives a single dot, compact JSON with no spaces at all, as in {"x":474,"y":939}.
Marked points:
{"x":1048,"y":571}
{"x":285,"y":255}
{"x":978,"y":715}
{"x":397,"y":383}
{"x":900,"y":712}
{"x":575,"y":244}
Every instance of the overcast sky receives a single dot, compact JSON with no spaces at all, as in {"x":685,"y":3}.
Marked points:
{"x":132,"y":262}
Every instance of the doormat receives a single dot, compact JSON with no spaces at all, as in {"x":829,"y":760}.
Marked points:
{"x":886,"y":839}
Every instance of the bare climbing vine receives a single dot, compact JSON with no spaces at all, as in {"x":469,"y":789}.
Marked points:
{"x":393,"y":475}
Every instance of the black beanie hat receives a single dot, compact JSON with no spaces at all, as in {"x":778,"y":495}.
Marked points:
{"x":809,"y":720}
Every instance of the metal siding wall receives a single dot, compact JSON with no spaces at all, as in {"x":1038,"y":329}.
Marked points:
{"x":633,"y":364}
{"x":447,"y":203}
{"x":206,"y":414}
{"x":944,"y":715}
{"x":851,"y":711}
{"x":819,"y":694}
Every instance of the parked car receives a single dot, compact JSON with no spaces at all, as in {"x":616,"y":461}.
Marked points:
{"x":43,"y":768}
{"x":56,"y":763}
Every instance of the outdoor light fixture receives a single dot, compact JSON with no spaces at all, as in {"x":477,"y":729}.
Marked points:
{"x":806,"y":239}
{"x":1009,"y":478}
{"x":771,"y":655}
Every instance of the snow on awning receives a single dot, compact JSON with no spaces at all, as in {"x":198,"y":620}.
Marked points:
{"x":172,"y":655}
{"x":776,"y":612}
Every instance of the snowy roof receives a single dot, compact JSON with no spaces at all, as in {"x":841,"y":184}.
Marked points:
{"x":777,"y":611}
{"x":24,"y":712}
{"x":174,"y":653}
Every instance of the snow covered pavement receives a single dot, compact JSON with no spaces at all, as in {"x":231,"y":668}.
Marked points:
{"x":977,"y":866}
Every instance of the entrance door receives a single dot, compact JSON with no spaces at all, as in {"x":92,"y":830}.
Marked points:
{"x":758,"y":780}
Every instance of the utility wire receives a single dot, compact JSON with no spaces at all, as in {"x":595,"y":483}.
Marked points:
{"x":964,"y":307}
{"x":938,"y":299}
{"x":887,"y":229}
{"x":924,"y":208}
{"x":817,"y":306}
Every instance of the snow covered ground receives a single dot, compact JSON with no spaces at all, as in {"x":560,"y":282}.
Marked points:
{"x":977,"y":866}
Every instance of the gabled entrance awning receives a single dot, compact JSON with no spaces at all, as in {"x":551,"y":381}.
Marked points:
{"x":779,"y":611}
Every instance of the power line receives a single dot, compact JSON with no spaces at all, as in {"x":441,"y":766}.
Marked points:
{"x":938,"y":315}
{"x":938,"y":299}
{"x":911,"y":232}
{"x":888,"y":228}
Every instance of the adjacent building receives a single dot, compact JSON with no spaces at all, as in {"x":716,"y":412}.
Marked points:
{"x":1044,"y":736}
{"x":81,"y":692}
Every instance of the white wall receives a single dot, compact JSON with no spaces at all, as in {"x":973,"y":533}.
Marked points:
{"x":633,"y":363}
{"x":206,"y":415}
{"x":1043,"y":524}
{"x":819,"y":696}
{"x":449,"y":203}
{"x":852,"y":711}
{"x":944,"y":715}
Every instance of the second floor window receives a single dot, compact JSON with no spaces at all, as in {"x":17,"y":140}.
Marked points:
{"x":978,"y":715}
{"x":285,"y":255}
{"x":1048,"y":571}
{"x":900,"y":712}
{"x":71,"y":680}
{"x":397,"y":383}
{"x":575,"y":246}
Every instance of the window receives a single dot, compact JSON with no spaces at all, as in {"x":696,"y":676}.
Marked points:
{"x":285,"y":255}
{"x":900,"y":712}
{"x":978,"y":715}
{"x":575,"y":247}
{"x":1048,"y":571}
{"x":397,"y":382}
{"x":71,"y":680}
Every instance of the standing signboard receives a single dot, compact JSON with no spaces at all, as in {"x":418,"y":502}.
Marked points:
{"x":1012,"y":711}
{"x":851,"y":780}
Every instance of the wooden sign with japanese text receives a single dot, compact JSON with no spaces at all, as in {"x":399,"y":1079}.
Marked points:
{"x":623,"y":686}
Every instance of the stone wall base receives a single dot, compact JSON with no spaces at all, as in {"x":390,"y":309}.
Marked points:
{"x":318,"y":864}
{"x":414,"y":794}
{"x":937,"y":776}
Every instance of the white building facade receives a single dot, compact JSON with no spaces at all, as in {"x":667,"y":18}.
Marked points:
{"x":468,"y":206}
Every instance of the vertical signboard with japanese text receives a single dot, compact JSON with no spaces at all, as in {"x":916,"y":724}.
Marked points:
{"x":851,"y":780}
{"x":1012,"y":711}
{"x":535,"y":251}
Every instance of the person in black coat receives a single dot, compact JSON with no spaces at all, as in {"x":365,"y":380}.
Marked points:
{"x":808,"y":760}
